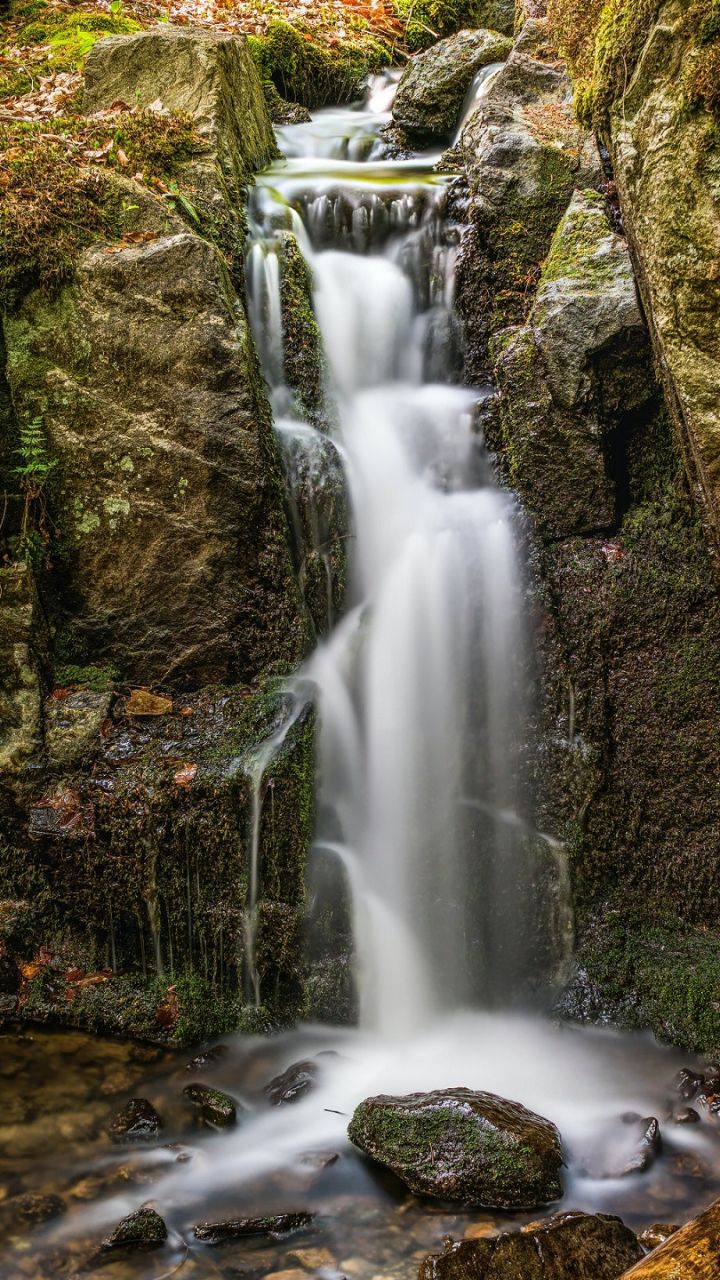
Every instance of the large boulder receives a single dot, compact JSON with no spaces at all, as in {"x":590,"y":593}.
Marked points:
{"x":524,"y":154}
{"x":433,"y":87}
{"x":207,"y":74}
{"x":573,"y":374}
{"x":457,"y":1144}
{"x":571,"y":1246}
{"x":168,"y":490}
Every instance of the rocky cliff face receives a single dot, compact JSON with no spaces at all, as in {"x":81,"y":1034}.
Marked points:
{"x":168,"y":563}
{"x":574,"y":302}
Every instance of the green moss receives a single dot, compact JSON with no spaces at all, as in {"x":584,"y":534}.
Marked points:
{"x":307,"y":71}
{"x":305,"y":365}
{"x":425,"y":21}
{"x":574,"y":249}
{"x":99,"y":679}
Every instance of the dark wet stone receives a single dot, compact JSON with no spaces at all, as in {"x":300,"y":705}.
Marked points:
{"x":280,"y":1224}
{"x":30,"y":1210}
{"x":292,"y":1084}
{"x":208,"y":1058}
{"x":143,"y":1229}
{"x":214,"y":1108}
{"x":652,"y":1237}
{"x":709,"y":1094}
{"x":688,"y":1083}
{"x":319,"y":1159}
{"x":137,"y":1122}
{"x":648,"y":1148}
{"x":457,"y":1144}
{"x":571,"y":1246}
{"x":686,"y":1115}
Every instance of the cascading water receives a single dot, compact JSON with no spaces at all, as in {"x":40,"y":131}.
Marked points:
{"x":418,"y":687}
{"x":419,"y":693}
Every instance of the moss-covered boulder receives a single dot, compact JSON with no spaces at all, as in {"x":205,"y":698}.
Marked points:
{"x":426,"y":21}
{"x":207,"y":74}
{"x":457,"y":1144}
{"x":314,"y":73}
{"x":524,"y":154}
{"x":167,"y":499}
{"x":141,"y":1230}
{"x":570,"y":1246}
{"x":434,"y":85}
{"x":573,"y":374}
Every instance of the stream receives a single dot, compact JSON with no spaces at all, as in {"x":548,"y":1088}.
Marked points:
{"x":460,"y":912}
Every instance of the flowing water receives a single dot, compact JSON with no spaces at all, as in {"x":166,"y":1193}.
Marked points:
{"x":458,"y":904}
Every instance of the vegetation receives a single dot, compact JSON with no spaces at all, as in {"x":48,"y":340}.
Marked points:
{"x":33,"y":472}
{"x":602,"y":41}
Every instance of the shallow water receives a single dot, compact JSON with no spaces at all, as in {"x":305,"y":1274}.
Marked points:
{"x":60,"y":1091}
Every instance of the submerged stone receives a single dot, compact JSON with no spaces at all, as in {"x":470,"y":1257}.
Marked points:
{"x":690,"y":1253}
{"x":432,"y":90}
{"x":279,"y":1224}
{"x":457,"y":1144}
{"x":292,"y":1084}
{"x":571,"y":1246}
{"x":214,"y":1108}
{"x":143,"y":1229}
{"x":652,"y":1237}
{"x":20,"y":1212}
{"x":137,"y":1122}
{"x":208,"y":1058}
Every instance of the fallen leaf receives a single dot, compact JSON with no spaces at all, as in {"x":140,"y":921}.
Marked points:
{"x":184,"y":776}
{"x":144,"y":703}
{"x":167,"y":1014}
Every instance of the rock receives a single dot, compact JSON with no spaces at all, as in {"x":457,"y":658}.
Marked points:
{"x":571,"y":1246}
{"x":652,"y":1237}
{"x":17,"y":1213}
{"x":648,"y":1147}
{"x":688,"y":1084}
{"x":174,"y":524}
{"x":313,"y":1259}
{"x":433,"y":86}
{"x":665,"y":161}
{"x":210,"y":75}
{"x":574,"y":374}
{"x":208,"y":1058}
{"x":72,"y":725}
{"x":691,"y":1253}
{"x":138,"y":1121}
{"x":524,"y":154}
{"x":20,"y":689}
{"x":686,"y":1115}
{"x":280,"y":110}
{"x":143,"y":1229}
{"x":276,"y":1225}
{"x":292,"y":1085}
{"x":213,"y":1108}
{"x":474,"y":1148}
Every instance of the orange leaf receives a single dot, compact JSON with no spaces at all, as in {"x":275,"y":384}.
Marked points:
{"x":184,"y":776}
{"x":144,"y":703}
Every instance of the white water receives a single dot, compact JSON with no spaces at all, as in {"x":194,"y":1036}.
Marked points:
{"x":418,"y":687}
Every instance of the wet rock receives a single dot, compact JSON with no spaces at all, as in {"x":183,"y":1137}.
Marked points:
{"x":138,"y":1121}
{"x":432,"y":89}
{"x":313,"y":1259}
{"x":619,"y":1159}
{"x":688,"y":1083}
{"x":652,"y":1237}
{"x":471,"y":1147}
{"x":72,"y":725}
{"x":563,"y":396}
{"x":143,"y":1229}
{"x":20,"y":1212}
{"x":648,"y":1148}
{"x":686,"y":1115}
{"x":709,"y":1094}
{"x":571,"y":1246}
{"x":319,"y":1160}
{"x":276,"y":1225}
{"x":208,"y":1058}
{"x":214,"y":1108}
{"x":292,"y":1084}
{"x":691,"y":1253}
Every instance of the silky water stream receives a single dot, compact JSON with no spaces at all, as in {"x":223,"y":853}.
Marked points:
{"x":460,"y":919}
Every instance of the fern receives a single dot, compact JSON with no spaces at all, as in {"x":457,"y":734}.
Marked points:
{"x":33,"y":471}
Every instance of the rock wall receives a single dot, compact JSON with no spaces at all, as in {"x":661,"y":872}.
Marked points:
{"x":604,"y":456}
{"x":168,"y":565}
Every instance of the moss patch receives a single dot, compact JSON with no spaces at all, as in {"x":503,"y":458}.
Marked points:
{"x":305,"y":70}
{"x":425,"y":21}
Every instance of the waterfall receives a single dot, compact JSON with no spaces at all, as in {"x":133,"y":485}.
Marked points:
{"x":419,"y":686}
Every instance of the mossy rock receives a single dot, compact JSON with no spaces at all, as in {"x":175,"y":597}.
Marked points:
{"x":305,"y":70}
{"x":469,"y":1147}
{"x":434,"y":85}
{"x":425,"y":21}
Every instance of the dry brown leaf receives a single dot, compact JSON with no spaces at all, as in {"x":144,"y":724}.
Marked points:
{"x":184,"y":776}
{"x":144,"y":703}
